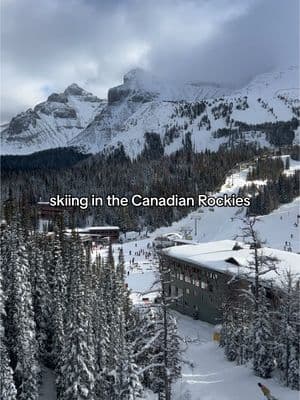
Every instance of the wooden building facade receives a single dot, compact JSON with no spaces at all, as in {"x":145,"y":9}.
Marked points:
{"x":196,"y":290}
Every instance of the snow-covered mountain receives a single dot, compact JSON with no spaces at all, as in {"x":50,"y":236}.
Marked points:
{"x":145,"y":103}
{"x":52,"y":123}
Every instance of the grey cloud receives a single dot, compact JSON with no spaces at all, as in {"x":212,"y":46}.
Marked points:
{"x":52,"y":43}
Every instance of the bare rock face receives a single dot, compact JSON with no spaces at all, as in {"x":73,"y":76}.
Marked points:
{"x":67,"y":112}
{"x":121,"y":93}
{"x":137,"y":87}
{"x":58,"y":98}
{"x":117,"y":93}
{"x":22,"y":121}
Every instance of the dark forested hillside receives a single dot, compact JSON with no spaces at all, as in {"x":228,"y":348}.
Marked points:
{"x":184,"y":172}
{"x":61,"y":157}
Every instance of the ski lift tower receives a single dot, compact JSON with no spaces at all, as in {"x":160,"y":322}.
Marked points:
{"x":196,"y":217}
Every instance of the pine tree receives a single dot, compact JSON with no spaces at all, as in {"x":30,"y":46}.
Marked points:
{"x":168,"y":345}
{"x":263,"y":343}
{"x":100,"y":329}
{"x":289,"y":332}
{"x":228,"y":331}
{"x":20,"y":324}
{"x":259,"y":335}
{"x":260,"y":264}
{"x":130,"y":386}
{"x":41,"y":295}
{"x":58,"y":286}
{"x":77,"y":363}
{"x":7,"y":385}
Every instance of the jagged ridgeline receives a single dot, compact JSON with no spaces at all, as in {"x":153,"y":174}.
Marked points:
{"x":265,"y":111}
{"x":153,"y":173}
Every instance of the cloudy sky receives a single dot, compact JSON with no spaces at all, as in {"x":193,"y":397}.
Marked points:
{"x":48,"y":44}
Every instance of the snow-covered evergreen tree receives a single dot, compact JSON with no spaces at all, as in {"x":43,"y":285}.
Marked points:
{"x":228,"y":331}
{"x":20,"y":326}
{"x":263,"y":338}
{"x":58,"y":286}
{"x":40,"y":293}
{"x":260,"y":336}
{"x":77,"y":363}
{"x":166,"y":347}
{"x":288,"y":317}
{"x":7,"y":385}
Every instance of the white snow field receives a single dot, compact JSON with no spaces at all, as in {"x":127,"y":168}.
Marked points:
{"x":211,"y":376}
{"x":47,"y":389}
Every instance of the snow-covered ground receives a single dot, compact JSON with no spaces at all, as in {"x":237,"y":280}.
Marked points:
{"x":211,"y":376}
{"x":48,"y":388}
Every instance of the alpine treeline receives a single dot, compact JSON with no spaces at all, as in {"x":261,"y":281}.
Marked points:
{"x":62,"y":310}
{"x":261,"y":323}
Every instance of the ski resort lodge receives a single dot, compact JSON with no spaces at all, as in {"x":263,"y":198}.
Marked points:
{"x":98,"y":233}
{"x":94,"y":234}
{"x":200,"y":274}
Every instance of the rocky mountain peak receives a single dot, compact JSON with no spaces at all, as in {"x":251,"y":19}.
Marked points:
{"x":136,"y":75}
{"x":75,"y":90}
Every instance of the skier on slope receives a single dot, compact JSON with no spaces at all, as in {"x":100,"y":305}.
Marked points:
{"x":266,"y":391}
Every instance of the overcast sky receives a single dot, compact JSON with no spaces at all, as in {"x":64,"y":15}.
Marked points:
{"x":48,"y":44}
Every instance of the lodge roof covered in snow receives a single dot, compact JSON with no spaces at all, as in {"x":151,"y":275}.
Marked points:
{"x":230,"y":257}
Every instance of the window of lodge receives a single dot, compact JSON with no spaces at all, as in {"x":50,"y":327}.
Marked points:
{"x":203,"y":285}
{"x":174,"y":291}
{"x":196,"y":282}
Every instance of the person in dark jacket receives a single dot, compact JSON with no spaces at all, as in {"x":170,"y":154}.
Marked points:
{"x":266,"y":391}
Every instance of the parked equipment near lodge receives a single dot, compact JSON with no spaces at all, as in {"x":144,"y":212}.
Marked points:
{"x":169,"y":240}
{"x":166,"y":240}
{"x":99,"y":234}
